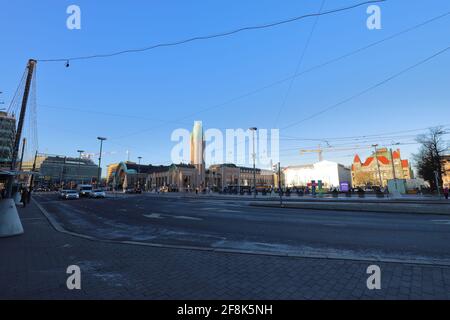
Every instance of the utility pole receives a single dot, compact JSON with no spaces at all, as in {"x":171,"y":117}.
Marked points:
{"x":222,"y":177}
{"x":239,"y":181}
{"x":393,"y":166}
{"x":100,"y":160}
{"x":31,"y":66}
{"x":378,"y":164}
{"x":254,"y":160}
{"x":279,"y":184}
{"x":436,"y":176}
{"x":24,"y":143}
{"x":62,"y":176}
{"x":32,"y":172}
{"x":393,"y":170}
{"x":79,"y":164}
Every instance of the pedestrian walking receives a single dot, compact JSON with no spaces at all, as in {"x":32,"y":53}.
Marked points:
{"x":24,"y":198}
{"x":446,"y":193}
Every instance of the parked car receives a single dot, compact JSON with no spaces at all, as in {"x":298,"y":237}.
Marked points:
{"x":164,"y":189}
{"x":70,"y":195}
{"x":97,"y":194}
{"x":62,"y":193}
{"x":133,"y":191}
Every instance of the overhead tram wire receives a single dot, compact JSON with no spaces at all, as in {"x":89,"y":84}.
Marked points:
{"x":368,"y":135}
{"x":217,"y":35}
{"x":356,"y":147}
{"x":369,"y":89}
{"x":14,"y":106}
{"x":278,"y":82}
{"x":109,"y":114}
{"x":346,"y":146}
{"x":299,"y":64}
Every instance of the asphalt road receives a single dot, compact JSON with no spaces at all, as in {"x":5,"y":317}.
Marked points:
{"x":231,"y":224}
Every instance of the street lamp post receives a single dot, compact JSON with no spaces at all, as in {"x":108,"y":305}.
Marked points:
{"x":378,"y":165}
{"x":139,"y":172}
{"x":79,"y":164}
{"x":279,"y":184}
{"x":436,"y":177}
{"x":254,"y":160}
{"x":393,"y":168}
{"x":100,"y":160}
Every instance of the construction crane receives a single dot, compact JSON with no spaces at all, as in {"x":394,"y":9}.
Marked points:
{"x":319,"y":151}
{"x":329,"y":148}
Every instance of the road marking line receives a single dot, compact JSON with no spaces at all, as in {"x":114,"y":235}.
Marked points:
{"x":153,"y":216}
{"x":187,"y":218}
{"x":229,"y":211}
{"x":446,"y":222}
{"x":335,"y":225}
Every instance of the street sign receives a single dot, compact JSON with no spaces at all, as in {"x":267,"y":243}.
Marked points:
{"x":344,"y":187}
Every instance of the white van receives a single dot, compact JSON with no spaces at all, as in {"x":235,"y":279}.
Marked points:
{"x":84,"y":190}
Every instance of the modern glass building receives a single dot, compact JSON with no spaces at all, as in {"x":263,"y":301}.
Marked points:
{"x":57,"y":170}
{"x":7,"y":137}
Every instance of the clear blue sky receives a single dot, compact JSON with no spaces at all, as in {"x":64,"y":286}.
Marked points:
{"x":120,"y":96}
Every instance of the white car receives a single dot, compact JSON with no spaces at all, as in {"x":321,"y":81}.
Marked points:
{"x":70,"y":195}
{"x":62,"y":194}
{"x":97,"y":194}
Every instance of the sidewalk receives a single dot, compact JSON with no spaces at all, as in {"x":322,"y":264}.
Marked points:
{"x":33,"y":266}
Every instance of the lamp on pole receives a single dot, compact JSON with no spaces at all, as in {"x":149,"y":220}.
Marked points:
{"x":378,"y":164}
{"x":79,"y":164}
{"x":254,"y":160}
{"x":393,"y":167}
{"x":100,"y":160}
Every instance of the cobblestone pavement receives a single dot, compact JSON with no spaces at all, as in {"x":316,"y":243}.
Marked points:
{"x":33,"y":266}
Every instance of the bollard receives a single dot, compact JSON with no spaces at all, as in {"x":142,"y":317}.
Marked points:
{"x":10,"y":224}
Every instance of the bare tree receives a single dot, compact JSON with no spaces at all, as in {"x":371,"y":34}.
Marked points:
{"x":429,"y":159}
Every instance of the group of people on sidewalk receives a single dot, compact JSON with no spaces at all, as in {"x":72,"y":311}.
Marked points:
{"x":25,"y":195}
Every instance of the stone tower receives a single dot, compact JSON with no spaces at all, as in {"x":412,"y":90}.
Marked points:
{"x":198,"y":153}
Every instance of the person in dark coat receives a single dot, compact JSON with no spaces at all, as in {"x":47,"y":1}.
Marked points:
{"x":446,"y":193}
{"x":24,"y":198}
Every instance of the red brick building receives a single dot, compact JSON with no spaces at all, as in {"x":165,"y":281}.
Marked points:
{"x":391,"y":166}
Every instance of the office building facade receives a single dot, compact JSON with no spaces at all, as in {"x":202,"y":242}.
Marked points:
{"x":61,"y":170}
{"x":7,"y":138}
{"x":331,"y":174}
{"x":379,"y":168}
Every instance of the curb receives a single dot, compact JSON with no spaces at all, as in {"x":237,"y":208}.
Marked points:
{"x":302,"y":199}
{"x":422,"y":262}
{"x":326,"y":207}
